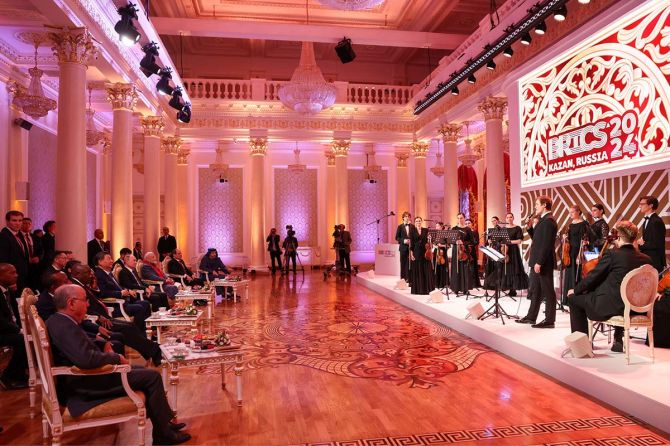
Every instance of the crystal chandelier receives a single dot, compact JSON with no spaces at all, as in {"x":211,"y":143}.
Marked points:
{"x":307,"y":92}
{"x":468,"y":157}
{"x":297,"y":166}
{"x":33,"y":102}
{"x":438,"y":168}
{"x":93,"y":135}
{"x":371,"y":167}
{"x":219,"y":168}
{"x":351,"y":4}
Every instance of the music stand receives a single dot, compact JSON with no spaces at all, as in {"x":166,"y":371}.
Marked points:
{"x":500,"y":235}
{"x":441,"y":236}
{"x":495,"y":310}
{"x":451,"y":237}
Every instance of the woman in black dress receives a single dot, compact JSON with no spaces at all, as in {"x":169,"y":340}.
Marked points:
{"x":576,"y":235}
{"x":420,"y":272}
{"x":514,"y":274}
{"x":599,"y":229}
{"x":440,"y":260}
{"x":461,"y":270}
{"x":491,"y":268}
{"x":473,"y":249}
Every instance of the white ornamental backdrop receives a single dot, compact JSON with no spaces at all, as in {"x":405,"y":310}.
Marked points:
{"x":367,"y":202}
{"x":296,"y":204}
{"x":42,"y":176}
{"x":605,"y":106}
{"x":91,"y":190}
{"x":220,"y":214}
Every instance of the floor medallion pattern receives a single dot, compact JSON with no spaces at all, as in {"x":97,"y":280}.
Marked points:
{"x":355,"y":340}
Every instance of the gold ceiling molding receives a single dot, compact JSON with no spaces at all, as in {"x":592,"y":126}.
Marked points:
{"x":300,"y":124}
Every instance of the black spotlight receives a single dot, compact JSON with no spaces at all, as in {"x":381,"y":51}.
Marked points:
{"x":472,"y":79}
{"x":509,"y":52}
{"x":177,"y":102}
{"x":128,"y":34}
{"x":148,"y":63}
{"x":25,"y":125}
{"x":163,"y":85}
{"x":526,"y":39}
{"x":541,"y":28}
{"x":455,"y":91}
{"x":345,"y":51}
{"x":561,"y":13}
{"x":184,"y":115}
{"x":491,"y":65}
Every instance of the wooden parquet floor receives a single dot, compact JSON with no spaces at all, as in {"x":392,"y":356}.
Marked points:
{"x":332,"y":363}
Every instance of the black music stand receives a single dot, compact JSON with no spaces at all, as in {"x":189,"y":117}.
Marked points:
{"x":496,"y":310}
{"x":500,"y":235}
{"x":441,"y":236}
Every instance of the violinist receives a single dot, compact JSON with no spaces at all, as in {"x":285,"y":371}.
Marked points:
{"x":598,"y":296}
{"x":576,"y":234}
{"x":514,"y":275}
{"x":440,"y":260}
{"x":420,"y":270}
{"x":599,"y":230}
{"x":474,"y":254}
{"x":460,"y":280}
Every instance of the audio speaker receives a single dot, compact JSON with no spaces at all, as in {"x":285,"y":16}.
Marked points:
{"x":436,"y":297}
{"x":23,"y":123}
{"x":345,"y":51}
{"x":579,"y":344}
{"x":475,"y":310}
{"x":401,"y":285}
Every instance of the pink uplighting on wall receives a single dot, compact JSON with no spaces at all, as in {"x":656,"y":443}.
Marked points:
{"x":42,"y":176}
{"x":220,"y":211}
{"x":367,"y":202}
{"x":91,"y":190}
{"x":295,"y":204}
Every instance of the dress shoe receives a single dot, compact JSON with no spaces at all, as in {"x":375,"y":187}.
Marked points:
{"x":177,"y":426}
{"x":14,"y":384}
{"x":524,"y":320}
{"x":617,"y":346}
{"x":172,"y":437}
{"x":543,"y":324}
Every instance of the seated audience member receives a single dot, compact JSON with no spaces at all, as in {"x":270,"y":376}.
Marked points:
{"x":71,"y":347}
{"x":151,"y":270}
{"x":132,"y":336}
{"x":122,"y":253}
{"x":598,"y":296}
{"x":137,"y":250}
{"x":128,"y":278}
{"x":213,"y":266}
{"x":178,"y":267}
{"x":58,"y":263}
{"x":14,"y":376}
{"x":109,"y":287}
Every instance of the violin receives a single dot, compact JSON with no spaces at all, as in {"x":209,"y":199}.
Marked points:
{"x":429,"y":251}
{"x":587,"y":267}
{"x":441,"y":260}
{"x":565,"y":250}
{"x":663,"y":281}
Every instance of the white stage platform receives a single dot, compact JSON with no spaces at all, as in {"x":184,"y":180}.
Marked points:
{"x":641,"y":389}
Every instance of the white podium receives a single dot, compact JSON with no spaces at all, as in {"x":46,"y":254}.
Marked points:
{"x":387,"y":259}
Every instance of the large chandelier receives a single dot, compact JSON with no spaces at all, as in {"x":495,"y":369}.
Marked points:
{"x":33,"y":102}
{"x":468,"y":157}
{"x":351,"y":4}
{"x":307,"y":92}
{"x":297,"y":166}
{"x":93,"y":135}
{"x":438,"y":168}
{"x":219,"y":168}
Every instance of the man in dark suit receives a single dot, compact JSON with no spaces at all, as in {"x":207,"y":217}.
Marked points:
{"x":345,"y":249}
{"x":48,"y":242}
{"x":542,"y":262}
{"x":129,"y":279}
{"x":652,"y":239}
{"x":14,"y":248}
{"x":166,"y":244}
{"x":60,"y":259}
{"x":402,"y":237}
{"x":34,"y":253}
{"x":177,"y":266}
{"x":274,"y":250}
{"x":95,"y":246}
{"x":14,"y":376}
{"x":598,"y":295}
{"x":71,"y":347}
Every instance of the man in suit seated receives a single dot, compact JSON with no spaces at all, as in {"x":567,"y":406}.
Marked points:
{"x":71,"y":347}
{"x":95,"y":246}
{"x":128,"y":278}
{"x":177,"y":266}
{"x":598,"y":296}
{"x":109,"y":287}
{"x":151,"y":270}
{"x":60,"y":259}
{"x":122,"y":253}
{"x":14,"y":376}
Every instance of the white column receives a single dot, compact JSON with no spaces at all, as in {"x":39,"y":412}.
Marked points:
{"x":257,"y":150}
{"x":419,"y":150}
{"x":106,"y":185}
{"x":340,"y":149}
{"x":182,"y":203}
{"x":171,"y":145}
{"x":450,"y":134}
{"x":493,"y":109}
{"x":18,"y":161}
{"x":153,"y":129}
{"x":403,"y":196}
{"x":73,"y":48}
{"x":331,"y":206}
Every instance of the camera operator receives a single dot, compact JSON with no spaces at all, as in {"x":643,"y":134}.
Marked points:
{"x":290,"y":246}
{"x":274,"y":249}
{"x":337,"y":242}
{"x":345,"y":249}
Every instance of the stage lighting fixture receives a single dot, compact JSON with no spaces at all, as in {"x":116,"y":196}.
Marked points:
{"x":472,"y":79}
{"x":148,"y":64}
{"x":345,"y":51}
{"x":509,"y":52}
{"x":584,"y":2}
{"x":491,"y":65}
{"x":163,"y":85}
{"x":455,"y":91}
{"x":541,"y":28}
{"x":561,"y":13}
{"x":25,"y":125}
{"x":128,"y":34}
{"x":184,"y":115}
{"x":177,"y":102}
{"x":526,"y":39}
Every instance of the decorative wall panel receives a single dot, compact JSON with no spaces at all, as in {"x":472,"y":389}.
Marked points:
{"x":220,"y":216}
{"x":138,"y":221}
{"x":367,"y":202}
{"x":620,"y":197}
{"x":435,"y":205}
{"x":296,"y":204}
{"x":91,"y":191}
{"x":42,"y":176}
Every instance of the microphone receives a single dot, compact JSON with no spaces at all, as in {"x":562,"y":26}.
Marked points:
{"x":391,"y":213}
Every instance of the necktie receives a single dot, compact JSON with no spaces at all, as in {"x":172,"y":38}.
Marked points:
{"x":22,"y":242}
{"x":10,"y":310}
{"x":646,"y":220}
{"x":29,"y":242}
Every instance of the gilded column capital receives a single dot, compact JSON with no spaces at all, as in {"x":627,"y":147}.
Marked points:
{"x":340,"y":147}
{"x":493,"y":107}
{"x":450,"y":132}
{"x":419,"y":149}
{"x":73,"y":45}
{"x":330,"y":157}
{"x":182,"y":156}
{"x":171,"y":145}
{"x":401,"y":158}
{"x":121,"y":95}
{"x":106,"y":145}
{"x":258,"y":146}
{"x":152,"y":125}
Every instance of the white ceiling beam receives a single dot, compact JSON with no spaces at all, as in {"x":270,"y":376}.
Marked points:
{"x":293,"y":32}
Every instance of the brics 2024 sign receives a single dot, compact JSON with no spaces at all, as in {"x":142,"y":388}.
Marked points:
{"x":604,"y":106}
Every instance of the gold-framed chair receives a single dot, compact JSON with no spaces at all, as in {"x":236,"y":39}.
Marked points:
{"x":197,"y":272}
{"x":28,"y":300}
{"x":58,"y":419}
{"x":157,"y":283}
{"x":175,"y":277}
{"x":638,"y":292}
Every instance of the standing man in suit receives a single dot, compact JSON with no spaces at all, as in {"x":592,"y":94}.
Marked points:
{"x":542,"y":262}
{"x":48,"y":242}
{"x":652,"y":240}
{"x":345,"y":249}
{"x":166,"y":244}
{"x":34,"y":253}
{"x":14,"y":247}
{"x":598,"y":295}
{"x":95,"y":246}
{"x":274,"y":249}
{"x":14,"y":376}
{"x":402,"y":237}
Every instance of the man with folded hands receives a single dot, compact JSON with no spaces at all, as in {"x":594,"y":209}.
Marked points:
{"x":129,"y":279}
